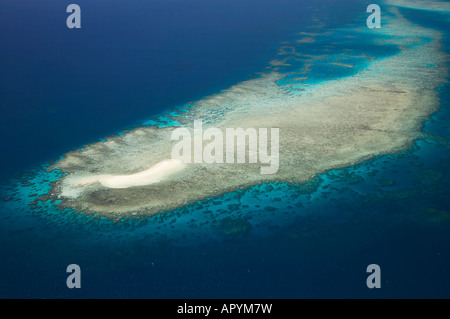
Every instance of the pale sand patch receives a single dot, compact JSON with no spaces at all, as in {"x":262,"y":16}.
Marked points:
{"x":344,"y":65}
{"x":283,"y":62}
{"x":335,"y":124}
{"x":155,"y":174}
{"x":306,"y":40}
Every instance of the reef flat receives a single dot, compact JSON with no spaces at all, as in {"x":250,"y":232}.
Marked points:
{"x":332,"y":124}
{"x":427,"y":5}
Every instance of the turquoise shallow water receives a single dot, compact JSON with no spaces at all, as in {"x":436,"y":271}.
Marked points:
{"x":271,"y":240}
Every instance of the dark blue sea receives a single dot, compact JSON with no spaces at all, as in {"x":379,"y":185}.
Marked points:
{"x":132,"y":61}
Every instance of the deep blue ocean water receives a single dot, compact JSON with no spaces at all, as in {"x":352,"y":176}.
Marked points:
{"x":63,"y":88}
{"x":130,"y":62}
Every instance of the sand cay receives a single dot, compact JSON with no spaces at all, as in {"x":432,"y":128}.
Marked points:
{"x":334,"y":124}
{"x":155,"y":174}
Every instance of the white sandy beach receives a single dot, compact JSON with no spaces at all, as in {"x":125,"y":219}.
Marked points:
{"x":154,"y":174}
